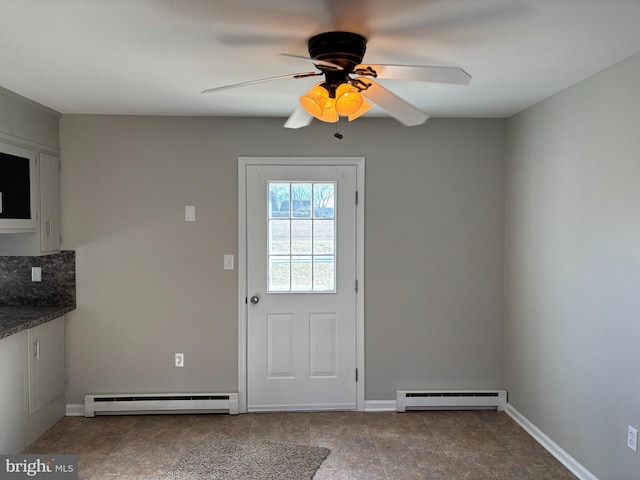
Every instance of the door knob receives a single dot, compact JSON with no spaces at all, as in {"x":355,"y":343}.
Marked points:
{"x":255,"y":299}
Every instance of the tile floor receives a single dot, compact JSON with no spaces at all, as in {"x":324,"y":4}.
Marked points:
{"x":463,"y":445}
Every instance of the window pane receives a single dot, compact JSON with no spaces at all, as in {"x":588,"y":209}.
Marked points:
{"x":279,"y":274}
{"x":324,"y":275}
{"x":301,"y":200}
{"x":279,"y":200}
{"x":323,"y":237}
{"x":301,"y":276}
{"x":323,"y":200}
{"x":301,"y":237}
{"x":279,"y":237}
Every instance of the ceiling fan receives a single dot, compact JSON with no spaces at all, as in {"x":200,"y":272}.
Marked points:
{"x":349,"y":84}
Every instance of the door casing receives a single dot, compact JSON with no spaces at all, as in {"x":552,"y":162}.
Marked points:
{"x":243,"y":162}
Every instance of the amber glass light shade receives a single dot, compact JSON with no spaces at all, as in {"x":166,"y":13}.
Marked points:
{"x":314,"y":101}
{"x":348,"y":100}
{"x":329,"y":114}
{"x":364,"y":108}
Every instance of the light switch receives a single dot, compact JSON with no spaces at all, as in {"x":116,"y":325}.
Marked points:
{"x":36,"y":274}
{"x":228,"y":262}
{"x":190,"y":213}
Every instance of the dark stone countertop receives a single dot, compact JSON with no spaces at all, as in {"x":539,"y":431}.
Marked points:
{"x":14,"y":319}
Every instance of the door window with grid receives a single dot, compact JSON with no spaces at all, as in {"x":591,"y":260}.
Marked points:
{"x":302,"y":237}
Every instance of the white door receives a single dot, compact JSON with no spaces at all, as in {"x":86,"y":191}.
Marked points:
{"x":301,"y":273}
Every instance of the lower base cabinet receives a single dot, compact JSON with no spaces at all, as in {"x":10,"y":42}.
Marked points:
{"x":47,"y":372}
{"x":13,"y":396}
{"x":33,"y":389}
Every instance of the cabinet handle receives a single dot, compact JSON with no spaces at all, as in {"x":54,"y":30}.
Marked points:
{"x":36,"y":347}
{"x":49,"y":228}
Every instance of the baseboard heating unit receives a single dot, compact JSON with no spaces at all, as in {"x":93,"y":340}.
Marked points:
{"x":154,"y":403}
{"x":450,"y":400}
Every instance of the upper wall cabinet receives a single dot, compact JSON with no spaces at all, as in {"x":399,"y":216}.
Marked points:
{"x":49,"y":203}
{"x":29,"y":222}
{"x":18,"y":189}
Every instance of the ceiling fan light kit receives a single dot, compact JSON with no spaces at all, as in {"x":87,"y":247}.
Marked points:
{"x":349,"y":89}
{"x":328,"y":103}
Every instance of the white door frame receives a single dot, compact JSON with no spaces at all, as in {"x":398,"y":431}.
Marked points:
{"x":243,"y":162}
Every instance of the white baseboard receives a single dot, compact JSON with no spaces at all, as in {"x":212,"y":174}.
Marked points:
{"x":380,"y":406}
{"x":552,"y":447}
{"x":75,"y":410}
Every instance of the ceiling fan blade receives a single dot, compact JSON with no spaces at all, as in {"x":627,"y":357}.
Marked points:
{"x":268,"y":79}
{"x":313,"y":60}
{"x":395,"y":106}
{"x":298,"y":119}
{"x":422,"y":73}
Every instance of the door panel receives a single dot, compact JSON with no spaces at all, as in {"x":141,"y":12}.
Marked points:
{"x":280,"y":346}
{"x":301,"y":269}
{"x":322,"y":345}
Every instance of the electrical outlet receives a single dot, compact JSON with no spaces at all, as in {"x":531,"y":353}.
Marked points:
{"x":632,"y":438}
{"x":179,"y":360}
{"x":36,"y":274}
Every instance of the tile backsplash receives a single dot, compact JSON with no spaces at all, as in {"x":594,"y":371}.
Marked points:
{"x":58,"y":285}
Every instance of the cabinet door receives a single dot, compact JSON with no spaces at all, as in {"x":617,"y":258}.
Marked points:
{"x":13,"y":397}
{"x":46,"y":363}
{"x":49,"y":203}
{"x":25,"y":222}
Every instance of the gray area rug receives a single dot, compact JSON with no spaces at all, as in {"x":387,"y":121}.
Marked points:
{"x":227,"y":458}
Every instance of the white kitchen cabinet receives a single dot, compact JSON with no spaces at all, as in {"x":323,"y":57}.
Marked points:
{"x":49,"y":203}
{"x":32,"y":384}
{"x":44,"y":236}
{"x":13,"y":396}
{"x":18,"y":189}
{"x":46,"y":373}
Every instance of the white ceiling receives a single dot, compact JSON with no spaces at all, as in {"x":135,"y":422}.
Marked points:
{"x":153,"y":57}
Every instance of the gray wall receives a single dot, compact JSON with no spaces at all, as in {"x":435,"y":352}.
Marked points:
{"x":149,"y":284}
{"x":573,"y":268}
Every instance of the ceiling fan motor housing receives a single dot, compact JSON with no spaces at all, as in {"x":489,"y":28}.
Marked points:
{"x":342,"y":48}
